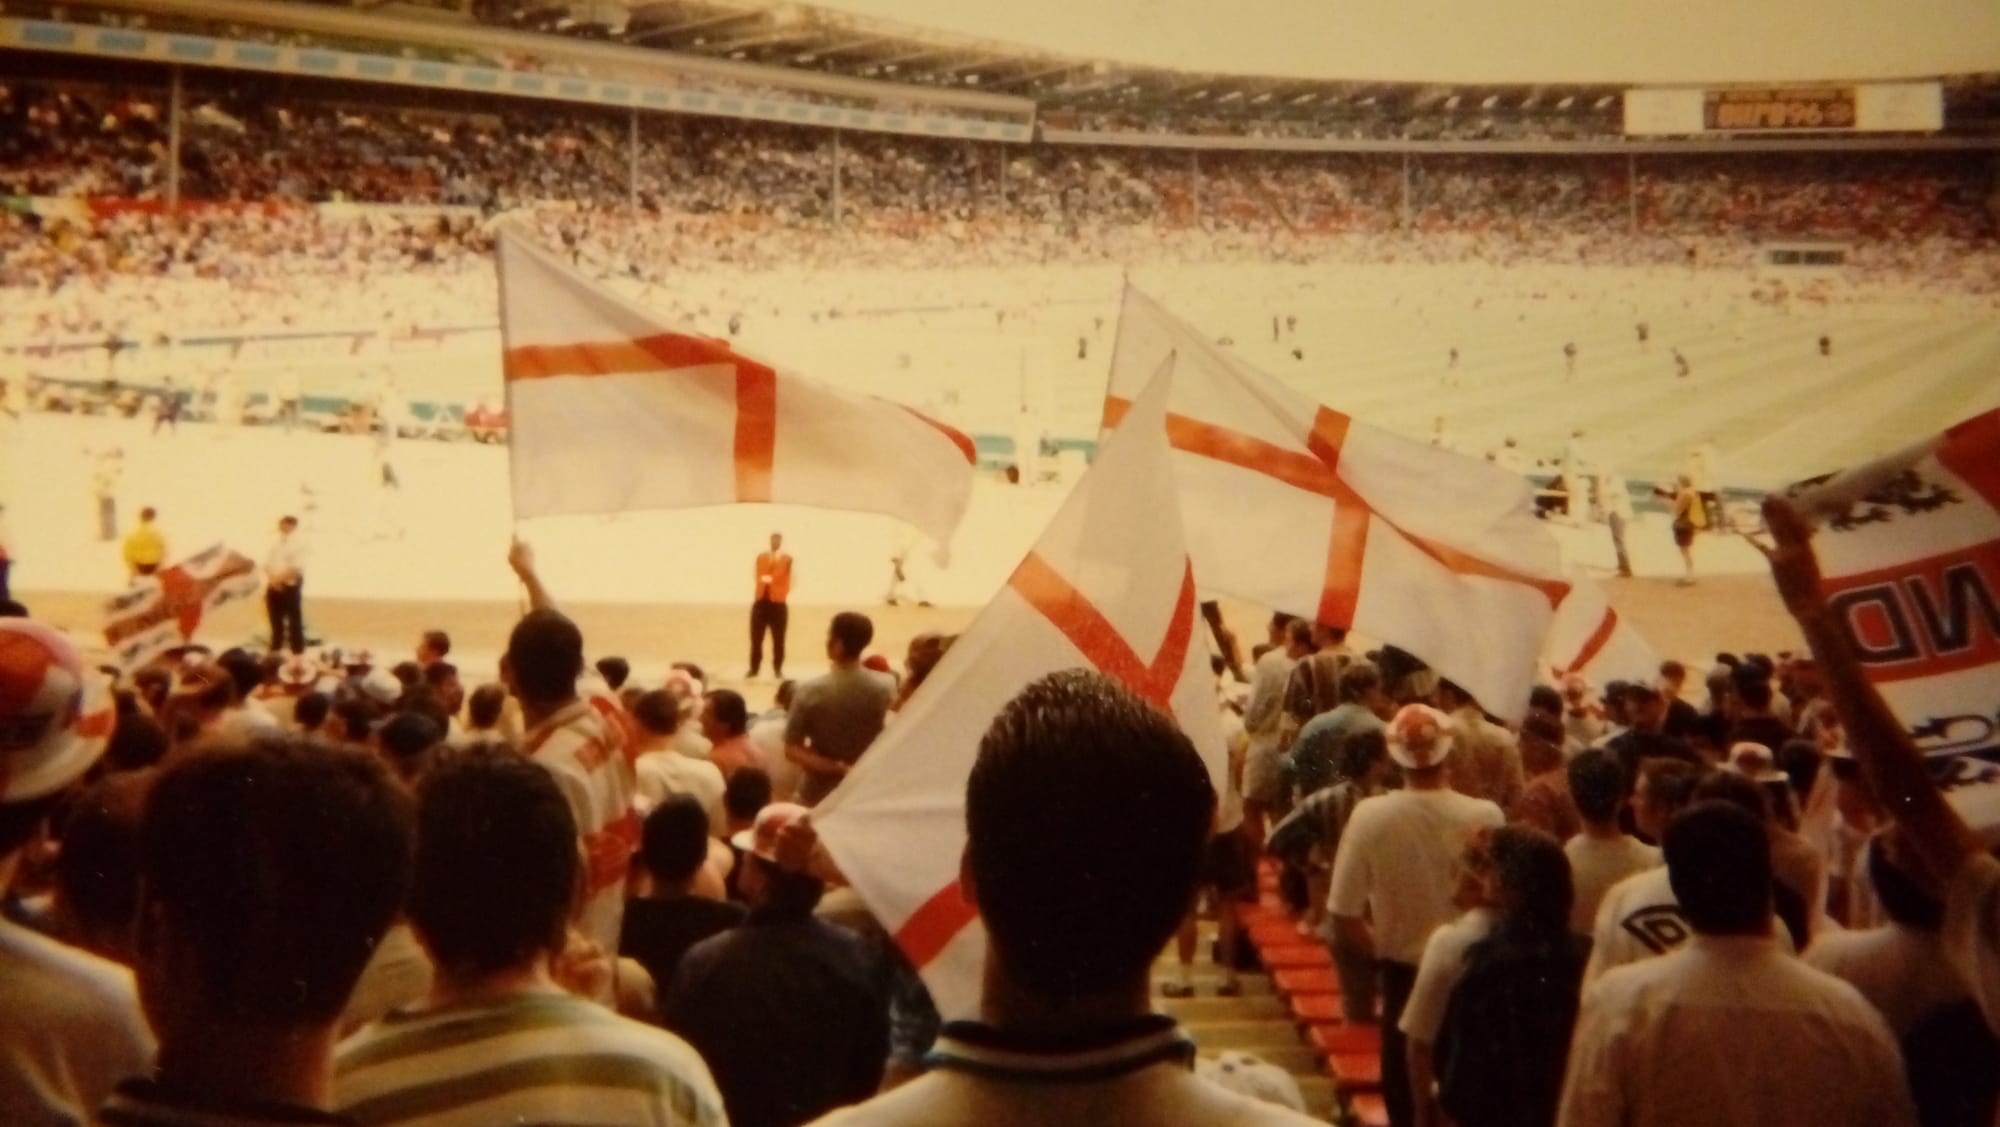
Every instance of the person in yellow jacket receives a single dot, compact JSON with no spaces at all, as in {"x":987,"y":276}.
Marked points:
{"x":145,"y":548}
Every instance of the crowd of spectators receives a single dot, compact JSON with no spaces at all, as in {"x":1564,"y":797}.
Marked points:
{"x":260,"y":889}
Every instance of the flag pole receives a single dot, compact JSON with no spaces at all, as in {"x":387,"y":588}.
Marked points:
{"x":501,"y":234}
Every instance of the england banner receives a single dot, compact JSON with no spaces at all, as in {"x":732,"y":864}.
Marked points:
{"x":1590,"y":637}
{"x":613,"y":411}
{"x":161,"y":611}
{"x":1909,"y":557}
{"x":1298,"y":507}
{"x":1108,"y":585}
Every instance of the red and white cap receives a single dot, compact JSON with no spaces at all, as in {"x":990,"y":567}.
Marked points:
{"x":56,"y":714}
{"x":761,"y":839}
{"x":1419,"y":737}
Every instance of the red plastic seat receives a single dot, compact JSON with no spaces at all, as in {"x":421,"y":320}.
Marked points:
{"x":1294,"y":954}
{"x":1356,"y":1071}
{"x":1314,"y":1009}
{"x":1337,"y":1038}
{"x":1370,"y":1110}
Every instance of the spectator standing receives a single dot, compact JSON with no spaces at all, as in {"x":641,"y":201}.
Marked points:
{"x":104,"y":478}
{"x":789,"y":1011}
{"x":495,"y":872}
{"x":1485,"y":763}
{"x":1639,"y":917}
{"x":70,"y":1025}
{"x":669,"y":915}
{"x":767,"y":739}
{"x":1545,"y":801}
{"x":1087,"y":814}
{"x":1291,"y":639}
{"x":1583,"y":720}
{"x":1601,"y":853}
{"x":725,"y":723}
{"x":267,"y":875}
{"x":284,"y":588}
{"x":769,"y":608}
{"x":1670,"y":1040}
{"x":662,"y":769}
{"x":834,"y":717}
{"x":1394,"y":876}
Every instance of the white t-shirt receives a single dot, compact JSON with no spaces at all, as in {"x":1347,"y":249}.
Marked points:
{"x":1398,"y":863}
{"x":1442,"y":966}
{"x":1639,"y":917}
{"x":1903,"y":972}
{"x":1596,"y":865}
{"x":767,"y":739}
{"x":663,"y":773}
{"x":70,"y":1029}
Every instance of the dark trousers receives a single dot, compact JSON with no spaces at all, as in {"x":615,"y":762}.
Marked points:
{"x":107,"y":519}
{"x":766,"y":614}
{"x":286,"y":608}
{"x":5,"y":592}
{"x":1397,"y":981}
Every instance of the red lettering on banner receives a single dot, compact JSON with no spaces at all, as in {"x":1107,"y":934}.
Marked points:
{"x":1317,"y":472}
{"x":1923,"y":618}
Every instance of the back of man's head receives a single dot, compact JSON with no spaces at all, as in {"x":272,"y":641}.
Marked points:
{"x":1299,"y":635}
{"x":1545,"y":699}
{"x":674,"y":842}
{"x":1719,"y":864}
{"x":853,"y":631}
{"x":731,"y":713}
{"x":407,"y":739}
{"x":545,"y":656}
{"x":658,"y":713}
{"x":1358,"y":680}
{"x":496,"y":863}
{"x":245,"y":672}
{"x":615,"y":671}
{"x":747,"y":791}
{"x":1087,"y":814}
{"x":1753,"y":688}
{"x":1903,"y":899}
{"x":484,"y":706}
{"x":268,"y":874}
{"x":1597,"y":785}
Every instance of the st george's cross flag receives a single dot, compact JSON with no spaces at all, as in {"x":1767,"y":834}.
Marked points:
{"x":163,"y":610}
{"x":1909,"y":557}
{"x":1107,"y":586}
{"x":1303,"y":509}
{"x":1591,"y":638}
{"x":612,"y":411}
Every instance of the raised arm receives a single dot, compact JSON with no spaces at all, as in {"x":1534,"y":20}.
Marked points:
{"x":521,"y":558}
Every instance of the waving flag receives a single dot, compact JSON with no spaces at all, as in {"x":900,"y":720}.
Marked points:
{"x":1909,"y":556}
{"x":163,"y":610}
{"x":1296,"y":506}
{"x":612,"y":411}
{"x":1108,"y":586}
{"x":1590,"y":637}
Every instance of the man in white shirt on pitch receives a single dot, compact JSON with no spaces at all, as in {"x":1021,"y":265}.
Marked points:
{"x":1396,"y":871}
{"x":1730,"y":1028}
{"x":284,"y":586}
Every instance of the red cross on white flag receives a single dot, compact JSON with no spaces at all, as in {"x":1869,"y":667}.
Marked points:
{"x":1590,"y":637}
{"x":1293,"y":505}
{"x":614,"y":411}
{"x":1107,"y":586}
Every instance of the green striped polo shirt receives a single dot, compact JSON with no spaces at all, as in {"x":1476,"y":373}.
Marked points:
{"x":525,"y":1060}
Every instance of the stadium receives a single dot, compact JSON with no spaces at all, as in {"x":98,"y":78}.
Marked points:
{"x":247,"y":268}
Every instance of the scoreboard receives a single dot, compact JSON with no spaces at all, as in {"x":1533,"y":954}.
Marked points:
{"x":1778,"y":109}
{"x":1870,"y":107}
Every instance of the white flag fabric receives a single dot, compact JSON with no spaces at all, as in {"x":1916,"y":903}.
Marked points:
{"x":1109,"y":586}
{"x":612,"y":411}
{"x":163,"y":610}
{"x":1298,"y":507}
{"x":1590,"y":637}
{"x":1909,"y":557}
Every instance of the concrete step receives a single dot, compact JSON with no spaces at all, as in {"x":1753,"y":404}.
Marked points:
{"x":1206,"y":978}
{"x":1249,"y":1007}
{"x":1250,"y":1036}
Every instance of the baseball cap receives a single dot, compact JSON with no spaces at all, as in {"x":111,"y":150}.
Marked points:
{"x":761,"y":839}
{"x":55,"y":714}
{"x":1419,"y":737}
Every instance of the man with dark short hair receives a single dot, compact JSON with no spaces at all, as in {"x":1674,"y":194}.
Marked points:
{"x":267,"y":876}
{"x":1638,"y":917}
{"x":836,"y":716}
{"x":1087,"y":816}
{"x":725,"y":723}
{"x":496,"y":870}
{"x":667,"y":916}
{"x":433,"y":646}
{"x":284,"y":588}
{"x":1730,"y":1028}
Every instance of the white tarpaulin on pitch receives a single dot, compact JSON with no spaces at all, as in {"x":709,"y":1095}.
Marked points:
{"x":613,"y":411}
{"x":1590,"y":637}
{"x":163,"y":610}
{"x":1108,"y":586}
{"x":1909,"y":556}
{"x":1300,"y":508}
